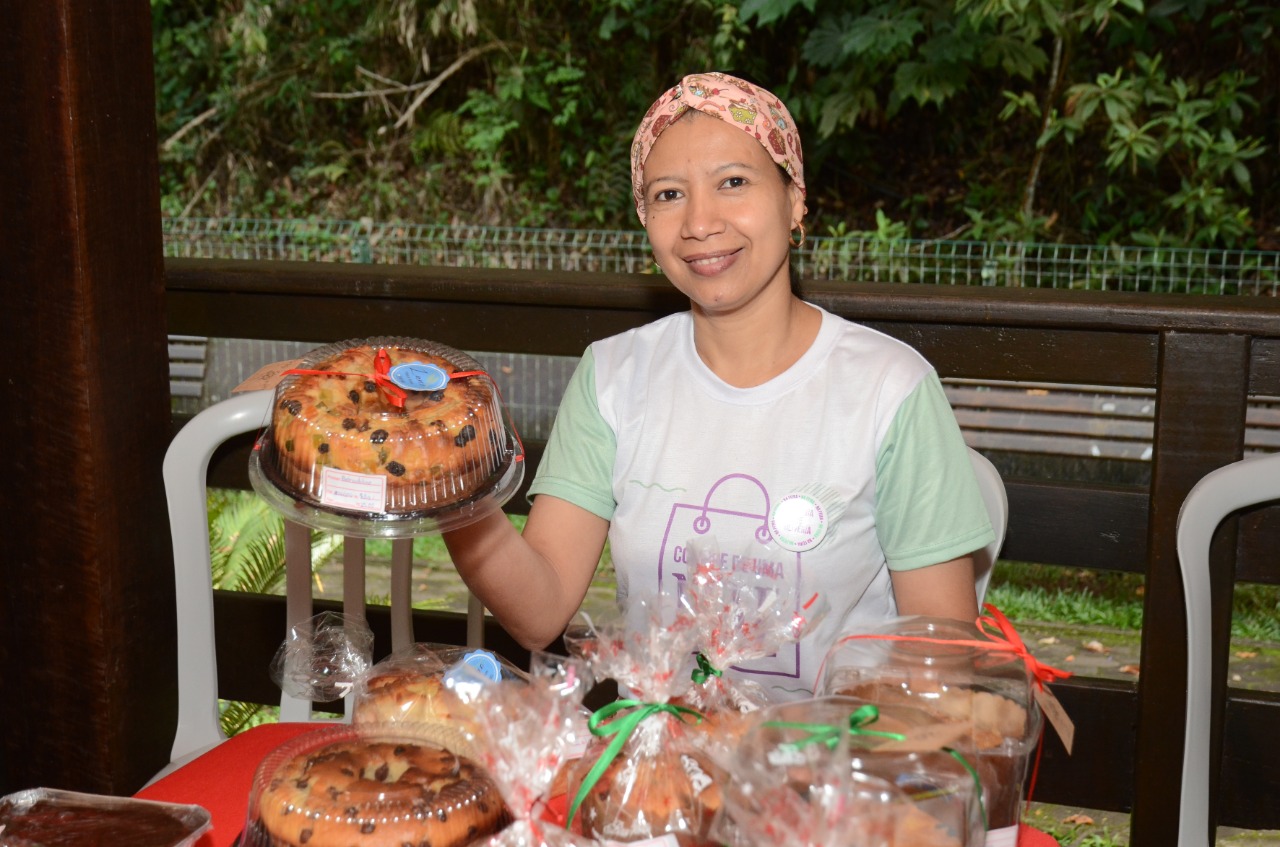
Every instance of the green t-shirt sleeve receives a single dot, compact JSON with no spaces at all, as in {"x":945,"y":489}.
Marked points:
{"x":577,"y":465}
{"x":928,"y":505}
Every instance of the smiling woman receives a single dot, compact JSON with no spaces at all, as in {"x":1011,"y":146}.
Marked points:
{"x":718,"y":216}
{"x":785,"y":434}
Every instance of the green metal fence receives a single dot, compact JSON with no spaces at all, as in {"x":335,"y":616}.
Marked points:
{"x":1097,"y":267}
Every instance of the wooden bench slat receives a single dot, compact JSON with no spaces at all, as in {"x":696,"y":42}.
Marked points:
{"x":186,"y":370}
{"x":1039,"y":400}
{"x":1118,"y":429}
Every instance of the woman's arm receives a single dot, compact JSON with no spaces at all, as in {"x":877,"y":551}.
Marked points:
{"x":944,"y":590}
{"x":533,"y":583}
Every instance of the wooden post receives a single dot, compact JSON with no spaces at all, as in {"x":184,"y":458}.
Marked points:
{"x":87,"y":656}
{"x":1199,"y":427}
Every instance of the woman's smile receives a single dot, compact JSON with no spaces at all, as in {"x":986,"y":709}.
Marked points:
{"x":711,"y":264}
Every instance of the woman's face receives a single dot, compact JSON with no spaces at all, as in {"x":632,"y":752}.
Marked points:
{"x":718,"y":214}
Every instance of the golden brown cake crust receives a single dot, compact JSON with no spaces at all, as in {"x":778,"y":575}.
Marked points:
{"x":406,"y":696}
{"x":379,"y":792}
{"x":437,"y":450}
{"x":674,"y":789}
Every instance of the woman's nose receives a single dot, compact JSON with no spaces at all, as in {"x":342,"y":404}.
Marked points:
{"x":702,"y":216}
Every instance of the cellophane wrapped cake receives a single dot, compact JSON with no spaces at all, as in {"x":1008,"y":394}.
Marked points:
{"x":645,"y":773}
{"x":738,"y":616}
{"x":433,"y":684}
{"x":527,"y":733}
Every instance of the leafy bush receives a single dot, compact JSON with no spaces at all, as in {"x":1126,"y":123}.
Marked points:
{"x":1083,"y":121}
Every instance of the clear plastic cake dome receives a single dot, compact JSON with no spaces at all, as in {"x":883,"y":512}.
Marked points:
{"x":345,"y":786}
{"x":387,"y":437}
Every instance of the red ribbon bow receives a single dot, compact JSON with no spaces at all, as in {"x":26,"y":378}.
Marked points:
{"x":1008,"y":639}
{"x":394,"y":394}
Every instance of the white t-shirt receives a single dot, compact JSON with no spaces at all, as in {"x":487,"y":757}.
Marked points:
{"x":846,"y":466}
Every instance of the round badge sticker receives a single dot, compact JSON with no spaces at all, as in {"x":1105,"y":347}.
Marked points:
{"x":485,"y":663}
{"x":472,"y":671}
{"x":798,"y":523}
{"x":419,"y":376}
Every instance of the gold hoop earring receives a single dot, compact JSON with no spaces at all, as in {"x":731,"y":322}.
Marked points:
{"x":792,"y":239}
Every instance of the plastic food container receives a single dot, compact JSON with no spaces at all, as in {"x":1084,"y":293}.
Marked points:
{"x":49,"y":817}
{"x":846,"y":745}
{"x":344,"y":786}
{"x":798,"y":776}
{"x":950,"y":671}
{"x":387,"y":437}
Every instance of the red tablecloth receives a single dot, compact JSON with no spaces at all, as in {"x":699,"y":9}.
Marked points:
{"x":220,"y":779}
{"x":1029,"y":836}
{"x":558,"y":813}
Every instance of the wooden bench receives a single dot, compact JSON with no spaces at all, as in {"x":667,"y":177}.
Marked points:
{"x":1098,"y":421}
{"x":186,"y":365}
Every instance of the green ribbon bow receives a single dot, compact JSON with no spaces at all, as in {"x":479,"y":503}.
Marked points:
{"x":621,"y":728}
{"x":821,"y":733}
{"x":862,"y":717}
{"x":705,"y":670}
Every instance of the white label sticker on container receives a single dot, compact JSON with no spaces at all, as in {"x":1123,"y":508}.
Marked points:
{"x":419,"y":376}
{"x":798,"y":522}
{"x":360,"y":492}
{"x":1005,"y":836}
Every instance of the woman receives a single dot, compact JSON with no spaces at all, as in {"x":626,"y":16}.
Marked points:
{"x":807,"y":446}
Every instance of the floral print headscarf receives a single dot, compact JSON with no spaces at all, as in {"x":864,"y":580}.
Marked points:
{"x":750,"y":108}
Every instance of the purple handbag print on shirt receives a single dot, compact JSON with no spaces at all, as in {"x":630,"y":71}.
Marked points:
{"x":689,"y":520}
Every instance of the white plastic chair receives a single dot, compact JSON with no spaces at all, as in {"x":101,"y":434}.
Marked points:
{"x":186,"y":466}
{"x":1249,"y":482}
{"x":997,"y":502}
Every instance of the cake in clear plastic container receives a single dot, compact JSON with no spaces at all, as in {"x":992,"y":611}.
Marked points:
{"x":956,"y":673}
{"x":387,"y":437}
{"x":344,"y":786}
{"x":814,"y":773}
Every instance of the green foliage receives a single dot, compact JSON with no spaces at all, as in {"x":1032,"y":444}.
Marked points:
{"x":1107,"y":121}
{"x":1109,"y":599}
{"x":1147,"y":124}
{"x":1133,"y":136}
{"x":246,"y":543}
{"x":1065,"y":595}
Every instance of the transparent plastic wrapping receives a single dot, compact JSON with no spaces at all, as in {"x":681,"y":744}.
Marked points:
{"x":50,"y":817}
{"x":645,"y":773}
{"x":323,"y":657}
{"x":528,"y":733}
{"x":347,"y":786}
{"x":843,"y":745}
{"x":387,"y":437}
{"x":955,"y":673}
{"x":739,"y":615}
{"x":812,"y":806}
{"x":428,"y":683}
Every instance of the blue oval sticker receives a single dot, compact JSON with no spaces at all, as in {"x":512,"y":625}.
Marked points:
{"x":418,"y":376}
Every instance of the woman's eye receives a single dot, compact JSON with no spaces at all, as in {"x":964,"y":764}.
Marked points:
{"x":735,"y":182}
{"x":666,"y":195}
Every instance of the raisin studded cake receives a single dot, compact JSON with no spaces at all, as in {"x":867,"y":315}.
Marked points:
{"x":414,"y":421}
